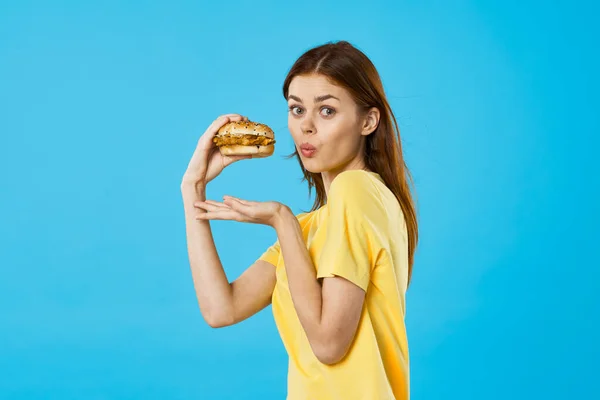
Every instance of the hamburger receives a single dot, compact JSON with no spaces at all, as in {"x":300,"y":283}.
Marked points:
{"x":238,"y":138}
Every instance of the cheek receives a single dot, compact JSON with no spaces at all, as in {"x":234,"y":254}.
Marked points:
{"x":340,"y":139}
{"x":294,"y":130}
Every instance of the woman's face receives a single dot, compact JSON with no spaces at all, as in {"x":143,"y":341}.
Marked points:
{"x":325,"y":124}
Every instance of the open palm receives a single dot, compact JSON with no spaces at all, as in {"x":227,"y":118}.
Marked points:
{"x":234,"y":209}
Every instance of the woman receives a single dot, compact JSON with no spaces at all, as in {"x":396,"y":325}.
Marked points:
{"x":337,"y":275}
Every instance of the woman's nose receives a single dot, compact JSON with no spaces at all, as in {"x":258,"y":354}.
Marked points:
{"x":307,"y":127}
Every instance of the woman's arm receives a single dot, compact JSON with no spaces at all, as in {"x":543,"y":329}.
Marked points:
{"x":329,"y":313}
{"x":221,"y":303}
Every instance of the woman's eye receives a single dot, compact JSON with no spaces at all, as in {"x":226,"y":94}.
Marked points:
{"x":294,"y":108}
{"x":331,"y":111}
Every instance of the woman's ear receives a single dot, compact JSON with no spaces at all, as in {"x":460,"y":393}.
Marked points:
{"x":371,"y":121}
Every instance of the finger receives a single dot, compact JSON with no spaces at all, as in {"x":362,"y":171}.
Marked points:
{"x":218,"y":123}
{"x":223,"y":215}
{"x":244,"y":202}
{"x":218,"y":204}
{"x":240,"y":207}
{"x":234,"y":115}
{"x":205,"y":205}
{"x":206,"y":139}
{"x":202,"y":205}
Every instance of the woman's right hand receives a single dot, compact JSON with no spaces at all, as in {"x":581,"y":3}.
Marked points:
{"x":207,"y":162}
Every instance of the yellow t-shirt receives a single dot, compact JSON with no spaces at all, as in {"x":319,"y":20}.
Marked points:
{"x":360,"y":235}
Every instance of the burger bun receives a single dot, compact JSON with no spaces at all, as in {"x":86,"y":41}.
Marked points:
{"x":254,"y":151}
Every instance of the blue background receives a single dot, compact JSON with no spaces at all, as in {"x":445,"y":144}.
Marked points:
{"x":101,"y":105}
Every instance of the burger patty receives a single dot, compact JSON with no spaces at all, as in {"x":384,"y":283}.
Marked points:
{"x":243,"y":140}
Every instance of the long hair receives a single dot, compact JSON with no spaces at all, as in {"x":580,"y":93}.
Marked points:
{"x":351,"y":69}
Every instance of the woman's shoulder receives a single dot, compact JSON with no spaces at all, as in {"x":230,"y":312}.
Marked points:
{"x":364,"y":194}
{"x":354,"y":177}
{"x":355,"y":185}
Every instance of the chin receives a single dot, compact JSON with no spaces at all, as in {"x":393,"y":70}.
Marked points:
{"x":311,"y":166}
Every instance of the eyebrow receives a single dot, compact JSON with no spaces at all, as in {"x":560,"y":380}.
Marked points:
{"x":318,"y":99}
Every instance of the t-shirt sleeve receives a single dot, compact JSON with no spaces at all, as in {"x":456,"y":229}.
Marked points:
{"x":271,"y":255}
{"x":355,"y":222}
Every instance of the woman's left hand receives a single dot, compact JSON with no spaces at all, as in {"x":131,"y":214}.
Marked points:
{"x":234,"y":209}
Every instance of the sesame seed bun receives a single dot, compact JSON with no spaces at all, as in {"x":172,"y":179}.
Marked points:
{"x":237,"y":128}
{"x":245,"y":138}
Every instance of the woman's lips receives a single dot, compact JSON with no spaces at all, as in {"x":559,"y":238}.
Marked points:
{"x":308,"y":152}
{"x":307,"y":149}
